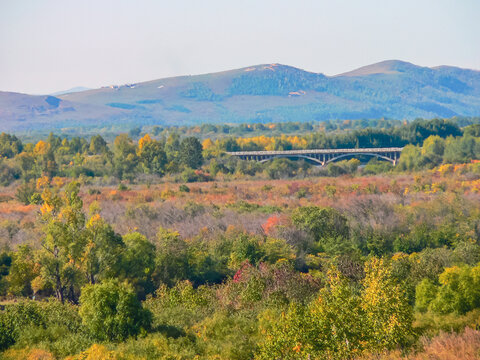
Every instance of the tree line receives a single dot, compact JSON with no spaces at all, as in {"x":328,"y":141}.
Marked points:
{"x":427,"y":144}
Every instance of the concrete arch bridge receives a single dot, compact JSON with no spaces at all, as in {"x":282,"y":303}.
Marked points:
{"x":321,"y":157}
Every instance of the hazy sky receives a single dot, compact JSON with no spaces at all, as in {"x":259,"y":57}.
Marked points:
{"x":51,"y":45}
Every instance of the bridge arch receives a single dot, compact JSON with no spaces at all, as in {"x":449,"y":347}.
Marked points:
{"x":383,"y":157}
{"x":334,"y":159}
{"x":317,"y":161}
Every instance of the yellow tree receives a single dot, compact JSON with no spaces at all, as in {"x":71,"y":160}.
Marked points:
{"x":336,"y":336}
{"x":207,"y":144}
{"x":143,"y":141}
{"x":388,"y":315}
{"x":44,"y":158}
{"x":285,"y":335}
{"x":41,"y":148}
{"x":330,"y":327}
{"x":210,"y":149}
{"x":342,"y":322}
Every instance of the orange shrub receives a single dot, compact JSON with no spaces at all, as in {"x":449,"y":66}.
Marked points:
{"x":270,"y":224}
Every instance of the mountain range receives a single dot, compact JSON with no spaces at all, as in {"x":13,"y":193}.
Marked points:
{"x":260,"y":93}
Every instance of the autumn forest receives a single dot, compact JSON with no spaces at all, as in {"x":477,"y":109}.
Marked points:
{"x":156,"y":244}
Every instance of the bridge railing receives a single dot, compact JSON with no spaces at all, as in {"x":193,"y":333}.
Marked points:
{"x":317,"y":151}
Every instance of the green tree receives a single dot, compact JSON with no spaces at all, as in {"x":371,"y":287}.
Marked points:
{"x":98,"y":145}
{"x":432,"y":149}
{"x":459,"y":290}
{"x":172,"y":149}
{"x":25,"y":192}
{"x":229,"y":144}
{"x":22,"y":271}
{"x":5,"y":264}
{"x":461,"y":149}
{"x":433,"y":145}
{"x":8,"y":174}
{"x":245,"y":247}
{"x":16,"y":318}
{"x":135,"y":132}
{"x":152,"y":157}
{"x":125,"y":159}
{"x":26,"y":162}
{"x":278,"y":168}
{"x":138,"y":262}
{"x":472,"y":130}
{"x":101,"y":258}
{"x":425,"y":293}
{"x":10,"y":145}
{"x":111,"y":311}
{"x":171,"y":259}
{"x":190,"y":153}
{"x":64,"y":240}
{"x":410,"y":159}
{"x":321,"y":222}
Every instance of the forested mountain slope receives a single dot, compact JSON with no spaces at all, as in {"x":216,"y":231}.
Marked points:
{"x":261,"y":93}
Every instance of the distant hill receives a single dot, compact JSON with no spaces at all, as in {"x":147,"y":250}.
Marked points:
{"x":69,"y":91}
{"x":260,"y":93}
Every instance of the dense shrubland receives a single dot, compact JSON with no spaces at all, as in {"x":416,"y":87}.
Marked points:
{"x":256,"y":268}
{"x":361,"y":262}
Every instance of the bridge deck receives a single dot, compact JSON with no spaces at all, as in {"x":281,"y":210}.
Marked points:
{"x":317,"y":151}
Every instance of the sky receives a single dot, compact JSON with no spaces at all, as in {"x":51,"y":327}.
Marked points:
{"x":53,"y":45}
